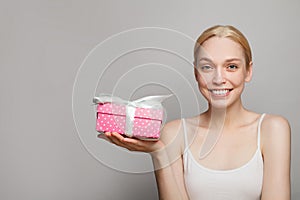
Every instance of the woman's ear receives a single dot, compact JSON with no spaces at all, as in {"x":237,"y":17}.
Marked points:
{"x":249,"y":72}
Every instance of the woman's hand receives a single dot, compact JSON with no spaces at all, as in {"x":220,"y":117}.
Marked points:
{"x":133,"y":144}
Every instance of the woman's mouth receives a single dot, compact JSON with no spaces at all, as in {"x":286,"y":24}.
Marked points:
{"x":220,"y":92}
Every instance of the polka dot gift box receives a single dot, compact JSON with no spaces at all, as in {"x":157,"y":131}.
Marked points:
{"x":140,"y":119}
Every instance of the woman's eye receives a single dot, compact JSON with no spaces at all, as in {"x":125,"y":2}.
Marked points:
{"x":232,"y":67}
{"x":206,"y":68}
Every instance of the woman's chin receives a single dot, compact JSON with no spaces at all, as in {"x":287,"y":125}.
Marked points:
{"x":219,"y":104}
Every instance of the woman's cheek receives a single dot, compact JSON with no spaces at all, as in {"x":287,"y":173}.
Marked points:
{"x":203,"y":80}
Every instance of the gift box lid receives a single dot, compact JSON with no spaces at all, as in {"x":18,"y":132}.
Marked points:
{"x":120,"y":109}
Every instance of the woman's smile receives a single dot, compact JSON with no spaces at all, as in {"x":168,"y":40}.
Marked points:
{"x":220,"y":92}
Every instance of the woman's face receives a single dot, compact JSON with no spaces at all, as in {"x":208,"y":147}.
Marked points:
{"x":221,"y":71}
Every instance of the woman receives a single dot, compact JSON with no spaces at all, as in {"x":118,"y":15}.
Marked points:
{"x":227,"y":152}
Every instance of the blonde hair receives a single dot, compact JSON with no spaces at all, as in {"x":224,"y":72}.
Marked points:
{"x":228,"y":32}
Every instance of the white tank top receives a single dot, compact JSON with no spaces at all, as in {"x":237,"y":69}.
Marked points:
{"x":242,"y":183}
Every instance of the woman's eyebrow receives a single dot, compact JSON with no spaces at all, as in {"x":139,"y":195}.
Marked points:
{"x":205,"y":59}
{"x":227,"y":60}
{"x":233,"y":59}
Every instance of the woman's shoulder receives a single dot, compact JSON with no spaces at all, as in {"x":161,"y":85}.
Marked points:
{"x":172,"y":136}
{"x":179,"y":127}
{"x":275,"y":131}
{"x":171,"y":130}
{"x":272,"y":123}
{"x":172,"y":125}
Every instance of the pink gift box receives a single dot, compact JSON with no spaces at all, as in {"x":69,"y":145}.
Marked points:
{"x":145,"y":125}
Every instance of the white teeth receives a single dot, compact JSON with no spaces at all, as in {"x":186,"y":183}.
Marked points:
{"x":219,"y":92}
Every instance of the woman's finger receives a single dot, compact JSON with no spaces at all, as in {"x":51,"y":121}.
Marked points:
{"x":115,"y":138}
{"x":145,"y":146}
{"x":103,"y":136}
{"x":132,"y":144}
{"x":129,"y":143}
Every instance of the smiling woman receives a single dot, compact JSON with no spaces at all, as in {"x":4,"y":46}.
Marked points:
{"x":221,"y":69}
{"x":226,"y":152}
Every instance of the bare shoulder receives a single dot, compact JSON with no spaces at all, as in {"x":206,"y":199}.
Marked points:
{"x":174,"y":132}
{"x":172,"y":125}
{"x":171,"y":131}
{"x":275,"y":131}
{"x":275,"y":124}
{"x":172,"y":137}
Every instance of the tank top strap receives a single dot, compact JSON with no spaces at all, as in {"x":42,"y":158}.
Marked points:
{"x":184,"y":133}
{"x":258,"y":129}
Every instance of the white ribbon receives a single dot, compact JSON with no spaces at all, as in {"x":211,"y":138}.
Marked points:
{"x":130,"y":110}
{"x":145,"y":102}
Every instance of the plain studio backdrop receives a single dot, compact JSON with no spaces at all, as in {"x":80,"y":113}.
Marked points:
{"x":48,"y":143}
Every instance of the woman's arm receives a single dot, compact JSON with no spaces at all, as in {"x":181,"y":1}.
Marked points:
{"x":170,"y":181}
{"x":276,"y":150}
{"x":166,"y":157}
{"x":168,"y":163}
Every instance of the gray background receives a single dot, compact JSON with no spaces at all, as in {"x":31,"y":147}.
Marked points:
{"x":43,"y":44}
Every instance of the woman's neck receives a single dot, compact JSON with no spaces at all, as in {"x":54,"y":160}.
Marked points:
{"x":225,"y":117}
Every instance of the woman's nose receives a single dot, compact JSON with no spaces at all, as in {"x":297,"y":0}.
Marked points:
{"x":219,"y":78}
